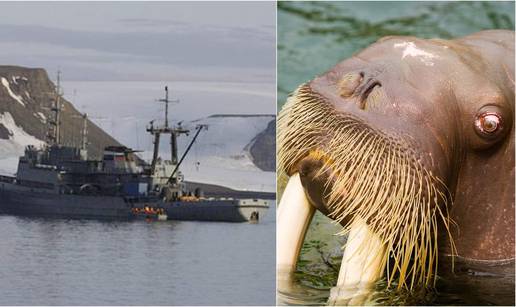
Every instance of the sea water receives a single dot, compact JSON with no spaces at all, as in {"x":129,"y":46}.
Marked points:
{"x":85,"y":262}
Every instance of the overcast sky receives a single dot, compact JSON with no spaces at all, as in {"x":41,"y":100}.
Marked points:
{"x":223,"y":41}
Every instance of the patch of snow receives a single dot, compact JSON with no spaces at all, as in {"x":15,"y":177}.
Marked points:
{"x":233,"y":173}
{"x":13,"y":95}
{"x":41,"y":116}
{"x":27,"y":94}
{"x":230,"y":173}
{"x":14,"y":147}
{"x":16,"y":78}
{"x":411,"y":50}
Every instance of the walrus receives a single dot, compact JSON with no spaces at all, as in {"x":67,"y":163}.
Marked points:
{"x":409,"y":145}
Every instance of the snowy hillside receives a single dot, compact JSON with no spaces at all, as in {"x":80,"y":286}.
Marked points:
{"x":12,"y":144}
{"x":17,"y":106}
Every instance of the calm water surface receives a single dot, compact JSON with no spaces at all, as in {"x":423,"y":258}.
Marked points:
{"x":75,"y":262}
{"x":313,"y":37}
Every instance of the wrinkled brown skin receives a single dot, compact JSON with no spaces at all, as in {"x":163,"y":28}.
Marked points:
{"x":433,"y":103}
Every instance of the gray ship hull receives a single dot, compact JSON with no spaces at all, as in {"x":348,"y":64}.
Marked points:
{"x":63,"y":206}
{"x":237,"y":210}
{"x":36,"y":203}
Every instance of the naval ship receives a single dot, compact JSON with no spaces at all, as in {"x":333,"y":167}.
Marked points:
{"x":61,"y":181}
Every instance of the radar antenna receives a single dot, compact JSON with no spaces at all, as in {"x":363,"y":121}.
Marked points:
{"x":167,"y":101}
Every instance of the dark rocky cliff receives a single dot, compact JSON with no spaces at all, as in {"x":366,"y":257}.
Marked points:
{"x":263,"y":148}
{"x":28,"y":94}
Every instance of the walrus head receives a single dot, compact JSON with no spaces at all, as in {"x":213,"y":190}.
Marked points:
{"x":383,"y":136}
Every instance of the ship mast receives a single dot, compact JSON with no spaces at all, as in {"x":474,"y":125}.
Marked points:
{"x":166,"y":101}
{"x":84,"y":135}
{"x":55,"y":136}
{"x":165,"y":129}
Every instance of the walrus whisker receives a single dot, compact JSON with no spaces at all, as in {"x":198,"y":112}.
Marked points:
{"x":371,"y":177}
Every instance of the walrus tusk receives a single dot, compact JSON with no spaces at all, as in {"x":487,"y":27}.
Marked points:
{"x":363,"y":259}
{"x":294,"y":216}
{"x":362,"y":265}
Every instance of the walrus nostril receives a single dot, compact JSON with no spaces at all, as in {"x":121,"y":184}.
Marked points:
{"x":352,"y":84}
{"x":349,"y":83}
{"x":366,"y":89}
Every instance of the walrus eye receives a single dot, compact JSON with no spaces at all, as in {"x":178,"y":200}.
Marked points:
{"x":488,"y":123}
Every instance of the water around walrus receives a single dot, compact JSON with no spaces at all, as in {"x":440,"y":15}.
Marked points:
{"x":86,"y":262}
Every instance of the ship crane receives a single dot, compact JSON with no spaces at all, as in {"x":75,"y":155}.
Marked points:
{"x":199,"y":128}
{"x":57,"y":110}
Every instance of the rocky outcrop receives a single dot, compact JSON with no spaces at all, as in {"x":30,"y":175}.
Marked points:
{"x":28,"y":95}
{"x":263,"y":148}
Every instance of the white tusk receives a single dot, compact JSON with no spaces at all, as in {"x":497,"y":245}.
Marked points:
{"x":294,"y":216}
{"x":362,"y":265}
